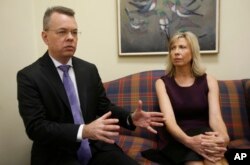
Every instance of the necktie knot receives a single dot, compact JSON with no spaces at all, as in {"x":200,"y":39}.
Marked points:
{"x":64,"y":68}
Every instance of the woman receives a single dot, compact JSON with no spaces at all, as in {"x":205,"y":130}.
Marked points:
{"x":189,"y":100}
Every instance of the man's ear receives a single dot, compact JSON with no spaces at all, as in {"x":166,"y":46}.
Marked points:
{"x":44,"y":37}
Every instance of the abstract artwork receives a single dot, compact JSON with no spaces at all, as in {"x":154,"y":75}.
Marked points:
{"x":145,"y":26}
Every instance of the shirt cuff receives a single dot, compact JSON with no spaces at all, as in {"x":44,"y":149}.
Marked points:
{"x":79,"y":133}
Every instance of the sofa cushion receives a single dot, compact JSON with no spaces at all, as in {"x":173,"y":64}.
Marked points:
{"x":233,"y":107}
{"x":126,"y":92}
{"x":134,"y":145}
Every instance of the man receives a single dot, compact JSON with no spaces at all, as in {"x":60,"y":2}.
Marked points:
{"x":47,"y":109}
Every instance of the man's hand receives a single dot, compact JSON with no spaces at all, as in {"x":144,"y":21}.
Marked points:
{"x":103,"y":129}
{"x":147,"y":119}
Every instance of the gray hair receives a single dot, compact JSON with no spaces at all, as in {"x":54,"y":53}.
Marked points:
{"x":55,"y":9}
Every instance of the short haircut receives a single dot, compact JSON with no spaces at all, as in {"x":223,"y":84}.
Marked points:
{"x":55,"y":9}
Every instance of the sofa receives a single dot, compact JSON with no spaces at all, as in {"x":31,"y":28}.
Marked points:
{"x":126,"y":91}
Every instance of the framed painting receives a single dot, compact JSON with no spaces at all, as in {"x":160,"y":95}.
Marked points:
{"x":145,"y":26}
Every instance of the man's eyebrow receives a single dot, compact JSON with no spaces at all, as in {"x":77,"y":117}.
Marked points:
{"x":62,"y":28}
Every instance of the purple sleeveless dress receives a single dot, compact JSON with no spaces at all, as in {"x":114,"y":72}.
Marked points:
{"x":190,"y":105}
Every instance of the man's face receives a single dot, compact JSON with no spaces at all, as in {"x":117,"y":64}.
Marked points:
{"x":61,"y":37}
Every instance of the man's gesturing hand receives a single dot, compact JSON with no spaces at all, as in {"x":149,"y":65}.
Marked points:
{"x":147,"y":119}
{"x":103,"y":129}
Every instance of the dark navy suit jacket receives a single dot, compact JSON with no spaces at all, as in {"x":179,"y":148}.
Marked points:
{"x":45,"y":109}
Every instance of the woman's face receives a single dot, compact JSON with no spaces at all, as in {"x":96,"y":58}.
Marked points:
{"x":181,"y":54}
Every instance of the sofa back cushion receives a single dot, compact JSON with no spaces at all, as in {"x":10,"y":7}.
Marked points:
{"x":234,"y":101}
{"x":126,"y":92}
{"x":233,"y":107}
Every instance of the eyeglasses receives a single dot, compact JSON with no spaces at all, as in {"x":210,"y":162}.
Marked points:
{"x":65,"y":32}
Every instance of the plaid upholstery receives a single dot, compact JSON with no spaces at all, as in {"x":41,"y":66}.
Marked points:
{"x":246,"y":85}
{"x":126,"y":91}
{"x":134,"y":145}
{"x":233,"y":107}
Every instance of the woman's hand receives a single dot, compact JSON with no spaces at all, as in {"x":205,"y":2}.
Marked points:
{"x":214,"y":144}
{"x":195,"y":143}
{"x":210,"y":145}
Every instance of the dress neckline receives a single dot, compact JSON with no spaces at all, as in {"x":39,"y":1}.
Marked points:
{"x":189,"y":86}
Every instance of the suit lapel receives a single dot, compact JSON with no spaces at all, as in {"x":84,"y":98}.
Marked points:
{"x":80,"y":75}
{"x":48,"y":68}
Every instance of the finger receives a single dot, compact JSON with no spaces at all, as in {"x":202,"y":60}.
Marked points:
{"x":221,"y":149}
{"x":219,"y":142}
{"x":151,"y":130}
{"x":139,"y":107}
{"x":208,"y":158}
{"x":216,"y":159}
{"x":208,"y":138}
{"x":211,"y":152}
{"x":156,"y":114}
{"x":213,"y":158}
{"x":157,"y":119}
{"x":110,"y":134}
{"x":107,"y":136}
{"x":107,"y":140}
{"x":110,"y":121}
{"x":219,"y":155}
{"x":213,"y":139}
{"x":215,"y":150}
{"x":113,"y":128}
{"x":106,"y":115}
{"x":209,"y":144}
{"x":212,"y":133}
{"x":157,"y":124}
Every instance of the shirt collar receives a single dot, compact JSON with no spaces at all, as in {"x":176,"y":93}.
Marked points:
{"x":57,"y":63}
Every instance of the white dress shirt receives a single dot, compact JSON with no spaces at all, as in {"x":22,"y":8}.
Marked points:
{"x":72,"y":77}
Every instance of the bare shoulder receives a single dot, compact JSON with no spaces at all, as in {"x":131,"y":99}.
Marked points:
{"x":211,"y":80}
{"x":159,"y":82}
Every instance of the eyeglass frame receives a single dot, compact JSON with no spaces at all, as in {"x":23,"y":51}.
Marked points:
{"x":65,"y":32}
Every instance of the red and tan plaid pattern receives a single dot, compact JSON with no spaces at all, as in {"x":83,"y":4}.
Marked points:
{"x":233,"y":106}
{"x":134,"y":145}
{"x":126,"y":91}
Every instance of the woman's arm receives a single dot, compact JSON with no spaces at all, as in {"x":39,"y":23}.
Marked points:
{"x":167,"y":110}
{"x":217,"y":141}
{"x":215,"y":118}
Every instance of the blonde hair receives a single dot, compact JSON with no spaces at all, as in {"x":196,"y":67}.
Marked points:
{"x":196,"y":68}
